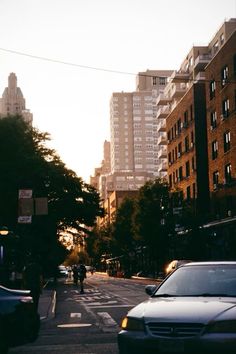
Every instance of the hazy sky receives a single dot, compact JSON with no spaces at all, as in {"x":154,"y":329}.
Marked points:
{"x":71,"y":102}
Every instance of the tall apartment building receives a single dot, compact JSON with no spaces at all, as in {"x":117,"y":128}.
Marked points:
{"x":13,"y":101}
{"x":221,"y":126}
{"x":134,"y":135}
{"x":98,"y":180}
{"x":186,"y":122}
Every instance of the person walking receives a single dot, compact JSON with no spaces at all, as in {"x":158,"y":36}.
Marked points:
{"x":82,"y":276}
{"x":75,"y":272}
{"x":33,"y":281}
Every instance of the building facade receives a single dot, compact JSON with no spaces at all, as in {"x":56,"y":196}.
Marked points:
{"x":188,"y":145}
{"x":12,"y":101}
{"x":221,"y":128}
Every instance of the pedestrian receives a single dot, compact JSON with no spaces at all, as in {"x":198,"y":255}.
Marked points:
{"x":33,"y":281}
{"x":82,"y":276}
{"x":75,"y":272}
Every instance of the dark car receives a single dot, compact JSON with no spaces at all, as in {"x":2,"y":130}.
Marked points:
{"x":19,"y":320}
{"x":192,"y":311}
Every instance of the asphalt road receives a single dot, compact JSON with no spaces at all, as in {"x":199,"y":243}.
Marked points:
{"x":87,"y":323}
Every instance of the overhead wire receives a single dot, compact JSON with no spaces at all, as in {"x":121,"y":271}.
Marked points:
{"x":11,"y":51}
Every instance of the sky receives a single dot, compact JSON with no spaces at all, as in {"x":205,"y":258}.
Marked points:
{"x":94,"y":48}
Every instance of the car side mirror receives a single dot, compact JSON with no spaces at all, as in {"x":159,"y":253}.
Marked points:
{"x":150,"y":289}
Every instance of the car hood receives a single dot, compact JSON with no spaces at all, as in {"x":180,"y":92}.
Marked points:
{"x":196,"y":309}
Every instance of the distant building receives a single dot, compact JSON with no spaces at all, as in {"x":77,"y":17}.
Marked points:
{"x":13,"y":101}
{"x":133,"y":125}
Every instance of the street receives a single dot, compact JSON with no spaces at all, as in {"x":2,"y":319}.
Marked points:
{"x":87,"y":323}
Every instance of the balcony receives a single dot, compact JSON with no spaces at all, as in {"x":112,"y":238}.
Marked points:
{"x":162,"y":154}
{"x":201,"y":61}
{"x":163,"y":112}
{"x":163,"y":167}
{"x":180,"y":76}
{"x":163,"y":100}
{"x":201,"y":76}
{"x":162,"y":140}
{"x":161,"y":126}
{"x":178,"y":90}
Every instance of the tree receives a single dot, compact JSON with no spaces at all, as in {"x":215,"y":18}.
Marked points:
{"x":124,"y":234}
{"x":151,"y":219}
{"x":26,"y":162}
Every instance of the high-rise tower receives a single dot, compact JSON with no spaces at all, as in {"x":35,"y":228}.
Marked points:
{"x":13,"y":102}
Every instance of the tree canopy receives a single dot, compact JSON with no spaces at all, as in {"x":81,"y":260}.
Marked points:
{"x":27,"y":163}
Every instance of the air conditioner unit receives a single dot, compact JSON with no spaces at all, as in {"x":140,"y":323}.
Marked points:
{"x":179,"y":154}
{"x":214,"y":186}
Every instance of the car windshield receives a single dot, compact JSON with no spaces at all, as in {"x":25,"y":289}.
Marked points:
{"x":200,"y":280}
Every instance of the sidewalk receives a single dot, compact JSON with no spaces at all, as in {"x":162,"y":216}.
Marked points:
{"x":47,"y":304}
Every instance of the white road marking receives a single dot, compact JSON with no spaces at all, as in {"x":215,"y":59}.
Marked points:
{"x":102,"y":303}
{"x":107,"y":319}
{"x":74,"y":325}
{"x":107,"y":306}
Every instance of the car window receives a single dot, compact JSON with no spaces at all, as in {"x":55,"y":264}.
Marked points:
{"x":200,"y":280}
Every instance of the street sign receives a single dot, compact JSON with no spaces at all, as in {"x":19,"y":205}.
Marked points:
{"x":25,"y":193}
{"x":24,"y":219}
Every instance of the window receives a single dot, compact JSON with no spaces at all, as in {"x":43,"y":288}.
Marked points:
{"x":180,"y":173}
{"x":179,"y":126}
{"x":215,"y":179}
{"x":213,"y":120}
{"x":154,"y":80}
{"x":187,"y":169}
{"x":179,"y":149}
{"x":226,"y":141}
{"x":212,"y":89}
{"x":170,"y":180}
{"x":214,"y":148}
{"x":186,"y":143}
{"x":225,"y":108}
{"x":162,"y":81}
{"x":222,"y":38}
{"x":215,"y":47}
{"x":188,"y":192}
{"x":224,"y":75}
{"x":194,"y":190}
{"x":193,"y":164}
{"x":185,"y":119}
{"x":228,"y":176}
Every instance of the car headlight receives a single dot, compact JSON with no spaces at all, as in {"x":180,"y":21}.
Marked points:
{"x":222,"y":327}
{"x":132,"y":324}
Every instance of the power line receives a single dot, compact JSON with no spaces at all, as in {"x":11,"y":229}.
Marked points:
{"x":96,"y":68}
{"x":64,"y":62}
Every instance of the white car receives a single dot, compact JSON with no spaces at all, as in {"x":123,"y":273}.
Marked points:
{"x":192,"y":311}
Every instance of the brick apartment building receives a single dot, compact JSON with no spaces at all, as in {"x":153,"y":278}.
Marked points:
{"x":221,"y":128}
{"x":201,"y":130}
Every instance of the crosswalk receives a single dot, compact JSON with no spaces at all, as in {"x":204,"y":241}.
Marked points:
{"x":94,"y":302}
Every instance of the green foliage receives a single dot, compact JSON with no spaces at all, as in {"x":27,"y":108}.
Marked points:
{"x":124,"y":233}
{"x":26,"y":162}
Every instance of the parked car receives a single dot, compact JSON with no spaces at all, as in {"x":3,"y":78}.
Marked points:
{"x":62,"y":271}
{"x":176,"y":263}
{"x":192,"y":311}
{"x":19,"y":320}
